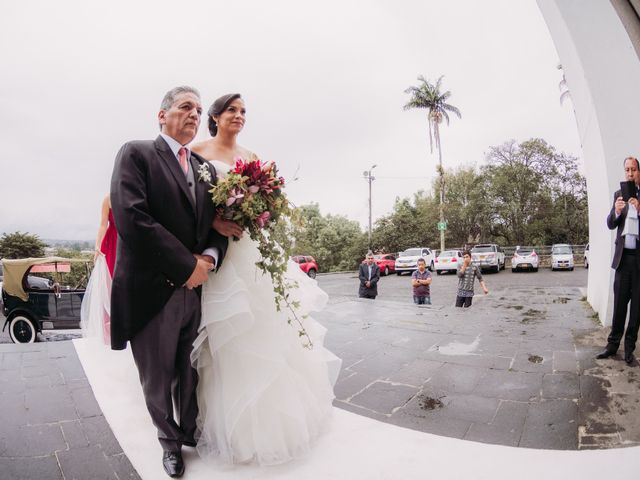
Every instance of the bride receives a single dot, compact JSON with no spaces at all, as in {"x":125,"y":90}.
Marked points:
{"x":262,"y":396}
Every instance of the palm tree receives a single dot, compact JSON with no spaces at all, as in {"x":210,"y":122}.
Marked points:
{"x":427,"y":95}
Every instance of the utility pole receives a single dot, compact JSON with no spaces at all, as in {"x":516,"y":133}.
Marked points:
{"x":370,"y":178}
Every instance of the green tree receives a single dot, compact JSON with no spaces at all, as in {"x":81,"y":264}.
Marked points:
{"x":79,"y":274}
{"x":398,"y":230}
{"x":466,"y":208}
{"x":568,"y":191}
{"x":413,"y":223}
{"x":336,"y":242}
{"x":535,"y":195}
{"x":21,"y":245}
{"x":428,"y":96}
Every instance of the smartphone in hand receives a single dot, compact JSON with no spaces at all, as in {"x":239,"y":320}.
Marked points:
{"x":628,"y":190}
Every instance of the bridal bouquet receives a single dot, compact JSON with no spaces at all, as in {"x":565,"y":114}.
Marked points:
{"x":251,"y":195}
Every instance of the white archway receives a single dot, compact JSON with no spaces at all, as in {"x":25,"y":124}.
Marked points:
{"x":595,"y":42}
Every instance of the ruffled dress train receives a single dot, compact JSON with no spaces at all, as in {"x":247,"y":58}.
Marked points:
{"x":263,"y":397}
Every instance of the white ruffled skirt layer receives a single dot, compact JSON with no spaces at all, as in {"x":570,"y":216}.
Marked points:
{"x":95,"y":311}
{"x":262,"y":396}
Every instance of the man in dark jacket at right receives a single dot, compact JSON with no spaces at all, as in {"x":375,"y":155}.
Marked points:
{"x":626,"y":262}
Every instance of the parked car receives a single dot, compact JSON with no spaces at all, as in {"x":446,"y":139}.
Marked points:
{"x":586,"y":256}
{"x":488,"y":256}
{"x":448,"y":261}
{"x":386,"y":263}
{"x":561,"y":257}
{"x":525,"y":258}
{"x":33,"y":303}
{"x":307,"y":264}
{"x":407,"y":261}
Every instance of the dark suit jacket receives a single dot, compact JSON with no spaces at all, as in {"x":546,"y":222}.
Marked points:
{"x":613,"y":222}
{"x":160,"y":227}
{"x":364,"y":277}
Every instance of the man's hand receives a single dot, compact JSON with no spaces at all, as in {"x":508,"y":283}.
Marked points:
{"x":200,"y":273}
{"x":227,"y":227}
{"x":619,"y":205}
{"x":207,"y":258}
{"x":634,"y":202}
{"x":368,"y":284}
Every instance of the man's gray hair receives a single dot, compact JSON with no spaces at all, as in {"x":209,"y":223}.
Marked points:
{"x":171,"y":95}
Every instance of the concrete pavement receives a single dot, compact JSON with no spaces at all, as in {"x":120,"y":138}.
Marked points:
{"x":516,"y":369}
{"x":52,"y":427}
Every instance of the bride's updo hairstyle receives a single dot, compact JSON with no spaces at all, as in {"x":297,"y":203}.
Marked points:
{"x":219,"y":106}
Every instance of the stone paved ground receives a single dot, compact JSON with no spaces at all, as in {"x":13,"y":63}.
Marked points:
{"x":52,"y":427}
{"x":516,"y":369}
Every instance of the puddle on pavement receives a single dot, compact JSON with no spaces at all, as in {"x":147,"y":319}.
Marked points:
{"x":426,"y":402}
{"x":532,"y":314}
{"x":459,"y":348}
{"x":535,"y":359}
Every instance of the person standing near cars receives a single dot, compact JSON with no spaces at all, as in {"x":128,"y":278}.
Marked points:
{"x":421,"y":283}
{"x":369,"y":275}
{"x":467,"y":273}
{"x":626,"y":262}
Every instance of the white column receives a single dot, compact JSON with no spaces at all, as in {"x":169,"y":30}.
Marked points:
{"x":603,"y":75}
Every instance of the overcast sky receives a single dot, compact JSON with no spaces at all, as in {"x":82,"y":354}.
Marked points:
{"x":323,"y":83}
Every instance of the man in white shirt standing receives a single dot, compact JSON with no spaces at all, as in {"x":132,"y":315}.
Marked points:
{"x":626,"y":262}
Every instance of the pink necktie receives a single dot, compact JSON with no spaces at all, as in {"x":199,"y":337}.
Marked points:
{"x":182,"y":158}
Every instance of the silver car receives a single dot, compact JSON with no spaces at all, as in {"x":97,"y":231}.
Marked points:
{"x":561,"y":257}
{"x":448,"y":261}
{"x":488,"y":256}
{"x":525,"y":258}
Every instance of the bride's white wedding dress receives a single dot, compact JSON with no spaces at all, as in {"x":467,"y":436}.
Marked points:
{"x":262,"y":396}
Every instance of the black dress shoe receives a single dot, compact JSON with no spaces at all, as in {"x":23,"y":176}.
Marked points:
{"x":173,"y":463}
{"x":605,"y":354}
{"x":629,"y":358}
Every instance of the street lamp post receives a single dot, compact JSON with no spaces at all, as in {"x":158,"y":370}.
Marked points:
{"x":370,"y":178}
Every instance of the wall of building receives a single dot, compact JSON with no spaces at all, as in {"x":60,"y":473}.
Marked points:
{"x":602,"y":71}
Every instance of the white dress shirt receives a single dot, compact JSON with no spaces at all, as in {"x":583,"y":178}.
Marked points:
{"x":175,"y":147}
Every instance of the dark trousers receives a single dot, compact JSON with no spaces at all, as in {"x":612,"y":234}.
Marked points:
{"x":626,"y":288}
{"x":162,"y":354}
{"x":463,"y":301}
{"x":421,"y":300}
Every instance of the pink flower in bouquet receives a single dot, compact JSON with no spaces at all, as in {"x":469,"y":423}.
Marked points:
{"x":263,"y":218}
{"x":234,"y":196}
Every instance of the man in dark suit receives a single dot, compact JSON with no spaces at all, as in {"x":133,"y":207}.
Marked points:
{"x":166,"y":248}
{"x":369,"y":275}
{"x":626,"y":262}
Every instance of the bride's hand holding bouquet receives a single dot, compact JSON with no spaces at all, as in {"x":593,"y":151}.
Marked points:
{"x":250,"y":198}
